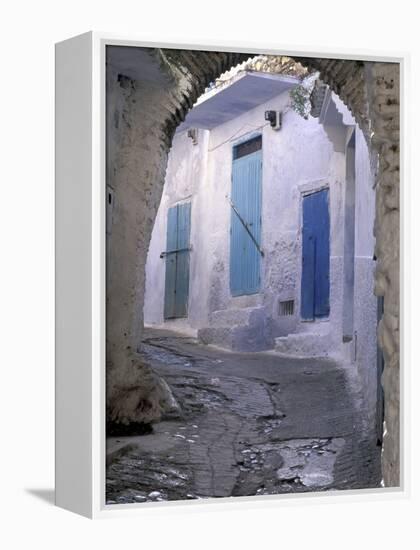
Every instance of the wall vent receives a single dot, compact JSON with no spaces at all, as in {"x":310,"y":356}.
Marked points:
{"x":286,"y":308}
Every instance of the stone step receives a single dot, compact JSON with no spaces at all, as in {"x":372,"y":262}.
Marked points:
{"x":236,"y":317}
{"x":217,"y":336}
{"x":305,"y":345}
{"x":238,"y":329}
{"x":237,"y":338}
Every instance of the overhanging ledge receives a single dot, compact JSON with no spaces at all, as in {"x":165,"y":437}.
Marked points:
{"x":245,"y":91}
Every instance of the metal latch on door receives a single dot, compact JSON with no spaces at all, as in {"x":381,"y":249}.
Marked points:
{"x":168,"y":252}
{"x":246,"y":226}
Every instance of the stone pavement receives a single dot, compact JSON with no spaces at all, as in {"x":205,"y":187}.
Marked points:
{"x":247,"y":424}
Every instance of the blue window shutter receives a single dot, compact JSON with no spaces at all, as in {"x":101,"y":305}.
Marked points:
{"x":322,"y":263}
{"x":315,"y":285}
{"x":170,"y":260}
{"x":183,"y":260}
{"x":246,"y":197}
{"x":308,"y":275}
{"x":177,"y":274}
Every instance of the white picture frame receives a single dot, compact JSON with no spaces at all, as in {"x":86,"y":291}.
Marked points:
{"x":80,"y":274}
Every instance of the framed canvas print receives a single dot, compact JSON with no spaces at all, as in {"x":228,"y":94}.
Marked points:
{"x":228,"y":273}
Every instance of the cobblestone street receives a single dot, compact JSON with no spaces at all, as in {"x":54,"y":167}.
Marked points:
{"x":247,"y":424}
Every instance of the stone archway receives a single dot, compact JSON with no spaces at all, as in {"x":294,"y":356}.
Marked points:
{"x":144,"y":111}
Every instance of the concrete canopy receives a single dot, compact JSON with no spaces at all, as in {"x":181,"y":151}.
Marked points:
{"x":245,"y":91}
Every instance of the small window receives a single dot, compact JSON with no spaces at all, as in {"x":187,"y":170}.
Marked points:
{"x":248,"y":147}
{"x":286,"y":308}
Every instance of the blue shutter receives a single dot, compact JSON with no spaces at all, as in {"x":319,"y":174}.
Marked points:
{"x":183,"y":260}
{"x":170,"y":274}
{"x":315,"y":287}
{"x":177,"y":261}
{"x":322,"y":263}
{"x":246,"y":197}
{"x":308,"y":273}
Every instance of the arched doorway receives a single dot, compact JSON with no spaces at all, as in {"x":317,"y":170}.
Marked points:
{"x":148,"y":96}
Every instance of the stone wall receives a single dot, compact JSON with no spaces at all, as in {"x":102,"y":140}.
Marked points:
{"x":145,"y":118}
{"x":142,"y":115}
{"x":383,"y":87}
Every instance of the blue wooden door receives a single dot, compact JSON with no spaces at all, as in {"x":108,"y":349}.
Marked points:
{"x":245,"y":224}
{"x":315,"y":288}
{"x":177,"y":261}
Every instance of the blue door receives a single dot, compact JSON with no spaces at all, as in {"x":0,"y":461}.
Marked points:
{"x":177,"y":261}
{"x":315,"y":289}
{"x":245,"y":239}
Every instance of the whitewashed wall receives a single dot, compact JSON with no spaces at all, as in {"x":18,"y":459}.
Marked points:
{"x":296,"y":159}
{"x":365,"y":303}
{"x":297,"y":156}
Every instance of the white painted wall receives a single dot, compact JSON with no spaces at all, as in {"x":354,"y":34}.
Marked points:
{"x":296,"y":159}
{"x":365,"y":303}
{"x":186,"y":180}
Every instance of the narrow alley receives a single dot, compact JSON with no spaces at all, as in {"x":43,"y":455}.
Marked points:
{"x":244,"y":424}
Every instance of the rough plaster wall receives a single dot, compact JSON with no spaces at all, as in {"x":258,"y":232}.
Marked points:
{"x":299,"y":152}
{"x":297,"y":159}
{"x":365,"y":302}
{"x":302,"y":160}
{"x":300,"y":155}
{"x":134,"y":392}
{"x":383,"y":86}
{"x":371,"y":91}
{"x":141,"y":119}
{"x":184,"y":182}
{"x":155,"y":269}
